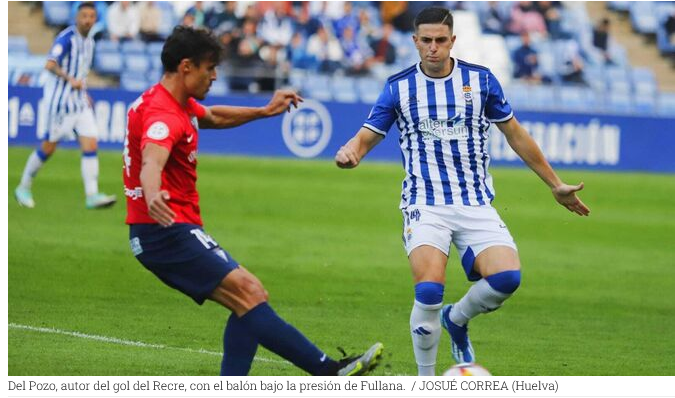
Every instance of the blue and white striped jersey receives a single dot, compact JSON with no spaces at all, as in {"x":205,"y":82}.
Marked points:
{"x":73,"y":53}
{"x":444,"y":124}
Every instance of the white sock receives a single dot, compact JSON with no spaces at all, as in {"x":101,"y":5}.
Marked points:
{"x":480,"y":298}
{"x":90,"y":173}
{"x":425,"y":329}
{"x":33,"y":165}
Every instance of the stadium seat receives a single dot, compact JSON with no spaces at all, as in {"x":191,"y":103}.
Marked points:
{"x":666,"y":104}
{"x":107,"y":46}
{"x":108,"y":63}
{"x":154,"y":49}
{"x":17,"y":44}
{"x":517,"y":95}
{"x":645,"y":104}
{"x":154,"y":75}
{"x":219,"y":88}
{"x":134,"y":82}
{"x":168,"y":20}
{"x":619,"y":103}
{"x":136,"y":63}
{"x":56,"y":13}
{"x":622,"y":6}
{"x":369,"y":89}
{"x":133,"y":47}
{"x":344,"y":89}
{"x":318,"y":87}
{"x":643,"y":17}
{"x":573,"y":98}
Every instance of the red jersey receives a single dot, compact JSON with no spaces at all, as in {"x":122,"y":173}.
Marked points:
{"x":156,"y":117}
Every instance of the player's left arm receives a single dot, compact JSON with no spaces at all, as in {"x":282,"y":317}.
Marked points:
{"x":528,"y":150}
{"x":223,"y":116}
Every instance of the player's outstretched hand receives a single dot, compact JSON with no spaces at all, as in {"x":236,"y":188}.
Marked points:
{"x":566,"y":196}
{"x":159,"y":210}
{"x":346,"y":158}
{"x":282,"y":101}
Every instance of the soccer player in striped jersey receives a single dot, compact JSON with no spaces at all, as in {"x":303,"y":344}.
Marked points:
{"x":69,"y":109}
{"x":443,"y":108}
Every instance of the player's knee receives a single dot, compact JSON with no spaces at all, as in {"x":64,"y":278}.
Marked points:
{"x":429,"y":293}
{"x":253,"y":291}
{"x":505,"y":282}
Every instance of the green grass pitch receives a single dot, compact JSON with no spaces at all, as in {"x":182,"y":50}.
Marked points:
{"x":597,"y":298}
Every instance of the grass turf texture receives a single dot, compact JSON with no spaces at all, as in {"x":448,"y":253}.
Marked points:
{"x":597,"y":297}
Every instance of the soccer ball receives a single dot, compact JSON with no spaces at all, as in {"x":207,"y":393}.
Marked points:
{"x":467,"y":369}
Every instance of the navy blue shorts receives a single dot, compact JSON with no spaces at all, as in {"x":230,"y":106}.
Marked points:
{"x":183,"y":256}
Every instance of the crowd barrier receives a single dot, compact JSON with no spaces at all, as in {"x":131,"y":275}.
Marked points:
{"x":317,"y":130}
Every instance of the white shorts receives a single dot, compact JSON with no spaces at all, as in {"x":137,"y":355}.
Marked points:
{"x":471,"y":228}
{"x":69,"y":125}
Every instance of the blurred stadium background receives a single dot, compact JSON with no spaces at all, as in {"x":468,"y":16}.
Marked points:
{"x":595,"y":87}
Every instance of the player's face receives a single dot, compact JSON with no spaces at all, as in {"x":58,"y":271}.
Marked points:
{"x":86,"y":18}
{"x":434,"y":42}
{"x":199,"y":78}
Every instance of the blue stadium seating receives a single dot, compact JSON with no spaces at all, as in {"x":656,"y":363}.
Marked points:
{"x":318,"y":87}
{"x":573,"y":98}
{"x":154,"y":75}
{"x":643,"y":17}
{"x":666,"y":104}
{"x":133,"y":47}
{"x":619,"y":102}
{"x":108,"y":63}
{"x":56,"y":13}
{"x":219,"y":88}
{"x":107,"y":46}
{"x":136,"y":63}
{"x":17,"y":45}
{"x":134,"y":82}
{"x":369,"y":90}
{"x":344,"y":89}
{"x":155,"y":49}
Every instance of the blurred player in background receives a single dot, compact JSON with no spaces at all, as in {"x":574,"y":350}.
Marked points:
{"x":69,"y":109}
{"x":166,"y":235}
{"x":443,"y":108}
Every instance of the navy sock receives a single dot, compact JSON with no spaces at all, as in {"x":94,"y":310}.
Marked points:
{"x":276,"y":335}
{"x":239,"y":347}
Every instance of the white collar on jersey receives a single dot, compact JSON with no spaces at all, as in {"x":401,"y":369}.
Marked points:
{"x":440,"y":79}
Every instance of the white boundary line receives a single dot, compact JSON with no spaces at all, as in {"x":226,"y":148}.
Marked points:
{"x":114,"y":340}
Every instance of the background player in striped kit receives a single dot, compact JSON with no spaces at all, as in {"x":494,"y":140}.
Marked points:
{"x":443,"y":108}
{"x":69,"y":109}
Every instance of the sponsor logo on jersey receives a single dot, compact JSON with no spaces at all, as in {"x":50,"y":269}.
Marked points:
{"x":158,"y":131}
{"x":442,"y":129}
{"x":134,"y":193}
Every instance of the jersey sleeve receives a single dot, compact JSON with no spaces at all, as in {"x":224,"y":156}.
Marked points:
{"x":383,"y":114}
{"x":196,"y":108}
{"x":59,"y":49}
{"x":163,"y":129}
{"x":497,"y":108}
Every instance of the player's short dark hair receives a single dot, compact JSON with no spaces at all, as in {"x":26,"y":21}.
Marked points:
{"x":434,"y":15}
{"x":86,"y":4}
{"x":195,"y":44}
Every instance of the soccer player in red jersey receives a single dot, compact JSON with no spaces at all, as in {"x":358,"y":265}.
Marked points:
{"x":165,"y":227}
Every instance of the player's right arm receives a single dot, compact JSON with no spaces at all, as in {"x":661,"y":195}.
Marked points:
{"x":351,"y":153}
{"x":375,"y":128}
{"x":154,"y":159}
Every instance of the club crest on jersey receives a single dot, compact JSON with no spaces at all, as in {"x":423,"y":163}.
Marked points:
{"x":158,"y":131}
{"x":468,"y":95}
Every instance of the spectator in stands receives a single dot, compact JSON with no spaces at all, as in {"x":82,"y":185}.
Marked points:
{"x":305,"y":23}
{"x":493,"y":20}
{"x":123,"y":21}
{"x":572,"y":63}
{"x":225,"y":20}
{"x":249,"y":46}
{"x":150,"y":20}
{"x":326,"y":50}
{"x":526,"y":18}
{"x":367,"y":29}
{"x":357,"y":54}
{"x":198,"y":14}
{"x":669,"y":26}
{"x":552,"y":18}
{"x":526,"y":62}
{"x":297,"y":53}
{"x":397,"y":13}
{"x":601,"y":39}
{"x":348,"y":20}
{"x":276,"y":27}
{"x":384,"y":51}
